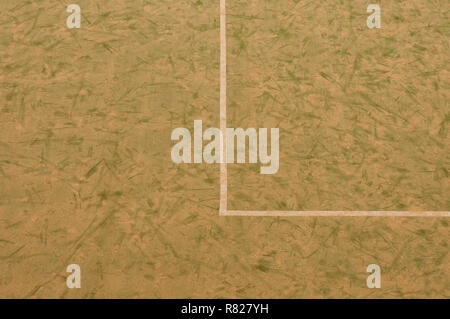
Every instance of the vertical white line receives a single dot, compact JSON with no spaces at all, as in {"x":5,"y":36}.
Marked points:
{"x":223,"y":107}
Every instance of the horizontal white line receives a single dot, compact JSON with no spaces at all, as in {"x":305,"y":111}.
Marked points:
{"x":335,"y":213}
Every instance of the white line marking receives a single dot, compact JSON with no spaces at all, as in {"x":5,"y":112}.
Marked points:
{"x":223,"y":165}
{"x":223,"y":106}
{"x":334,"y":213}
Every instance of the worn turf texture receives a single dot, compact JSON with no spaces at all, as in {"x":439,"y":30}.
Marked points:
{"x":85,"y":169}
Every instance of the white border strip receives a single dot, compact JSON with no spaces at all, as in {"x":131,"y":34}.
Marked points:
{"x":223,"y":165}
{"x":336,"y":213}
{"x":223,"y":107}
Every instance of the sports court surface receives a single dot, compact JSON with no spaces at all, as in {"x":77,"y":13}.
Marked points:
{"x":86,"y":177}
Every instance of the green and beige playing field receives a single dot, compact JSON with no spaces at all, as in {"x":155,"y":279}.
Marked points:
{"x":86,"y":176}
{"x":363,"y":113}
